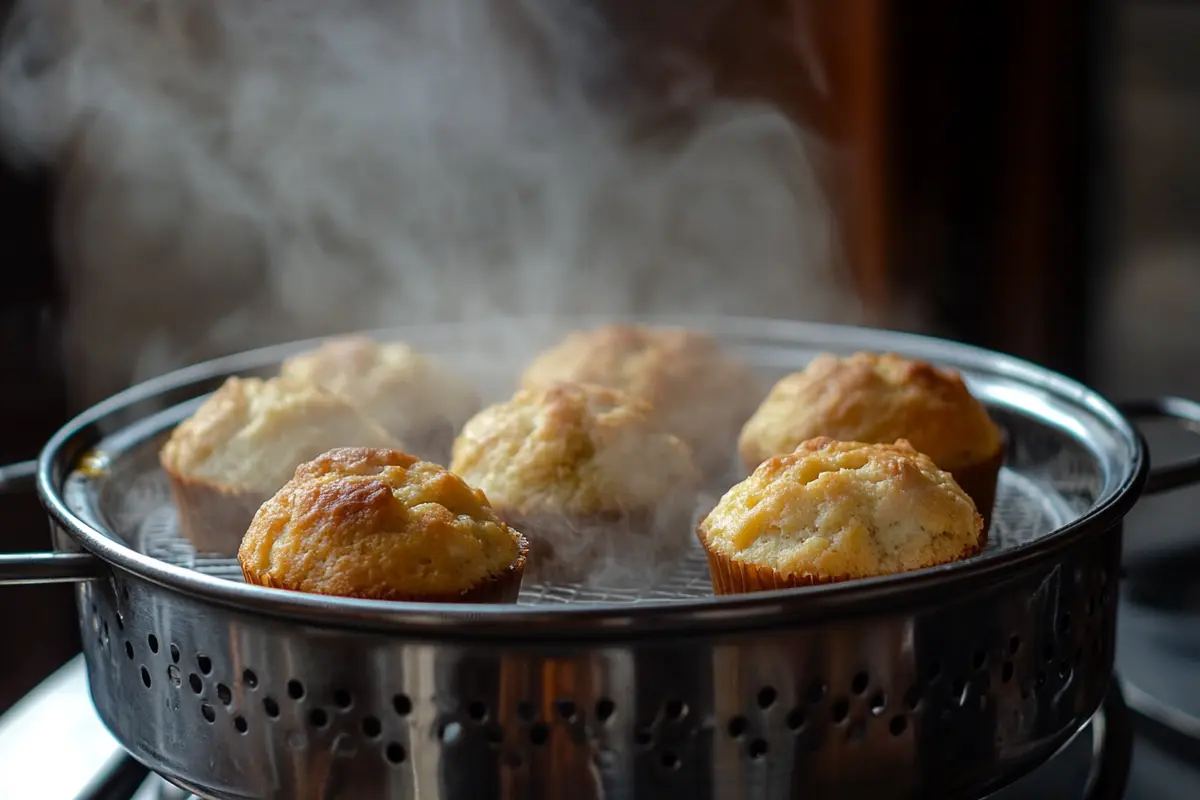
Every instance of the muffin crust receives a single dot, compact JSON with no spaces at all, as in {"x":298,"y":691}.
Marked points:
{"x":876,"y":399}
{"x":251,"y":433}
{"x":406,"y":392}
{"x":572,"y":448}
{"x":380,"y":524}
{"x":698,"y":392}
{"x":841,"y":510}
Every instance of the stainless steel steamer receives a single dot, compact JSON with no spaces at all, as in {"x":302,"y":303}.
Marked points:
{"x":947,"y":682}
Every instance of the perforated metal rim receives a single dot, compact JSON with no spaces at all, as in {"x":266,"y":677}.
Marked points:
{"x":1125,"y":467}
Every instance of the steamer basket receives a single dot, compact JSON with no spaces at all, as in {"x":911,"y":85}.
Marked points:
{"x":948,"y":682}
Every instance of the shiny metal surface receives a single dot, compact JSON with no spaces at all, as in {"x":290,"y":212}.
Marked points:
{"x":29,"y":568}
{"x":946,"y":682}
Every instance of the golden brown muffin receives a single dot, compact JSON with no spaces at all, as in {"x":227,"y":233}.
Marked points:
{"x":407,"y":393}
{"x":835,"y":511}
{"x":603,"y":493}
{"x":382,"y":525}
{"x":879,"y":399}
{"x":699,"y":392}
{"x":245,"y":442}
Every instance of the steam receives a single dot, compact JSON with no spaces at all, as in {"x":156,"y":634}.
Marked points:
{"x":235,"y":173}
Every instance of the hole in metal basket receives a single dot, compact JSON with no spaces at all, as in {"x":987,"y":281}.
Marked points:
{"x":152,"y":641}
{"x":525,"y":711}
{"x":250,"y":679}
{"x":979,"y":660}
{"x":860,"y":683}
{"x":538,"y":734}
{"x":224,"y":695}
{"x":957,"y":688}
{"x":371,"y":727}
{"x":766,"y":697}
{"x":877,"y":703}
{"x":146,"y":677}
{"x":794,"y":719}
{"x":205,"y":664}
{"x":1039,"y":678}
{"x":1048,"y":653}
{"x":1014,"y":644}
{"x":605,"y":709}
{"x":566,"y":710}
{"x":817,"y":690}
{"x":239,"y":723}
{"x":758,"y":749}
{"x":493,"y":733}
{"x":898,"y":725}
{"x":194,"y":682}
{"x":1064,"y":671}
{"x":129,"y":650}
{"x":1006,"y":672}
{"x":1064,"y":623}
{"x":477,"y":711}
{"x":675,"y":709}
{"x":737,"y":727}
{"x":933,"y":671}
{"x":174,"y":676}
{"x":271,"y":707}
{"x":402,"y":705}
{"x":174,"y":653}
{"x":342,"y":699}
{"x":912,"y":698}
{"x":207,"y":712}
{"x":840,"y":710}
{"x":643,"y":737}
{"x":670,"y":761}
{"x":394,"y":753}
{"x":318,"y":718}
{"x":295,"y":689}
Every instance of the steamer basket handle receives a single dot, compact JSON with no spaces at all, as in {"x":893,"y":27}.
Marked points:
{"x":26,"y":568}
{"x":1177,"y":409}
{"x":17,"y":478}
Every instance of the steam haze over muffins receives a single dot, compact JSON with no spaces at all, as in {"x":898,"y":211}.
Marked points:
{"x":236,"y":173}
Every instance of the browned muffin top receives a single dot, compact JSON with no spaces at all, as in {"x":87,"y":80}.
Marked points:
{"x":873,"y":398}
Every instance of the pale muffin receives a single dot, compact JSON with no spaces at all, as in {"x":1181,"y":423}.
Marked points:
{"x":602,"y":492}
{"x":409,"y":394}
{"x":244,"y":442}
{"x":835,"y":511}
{"x":698,"y":391}
{"x":879,"y":399}
{"x":382,"y":525}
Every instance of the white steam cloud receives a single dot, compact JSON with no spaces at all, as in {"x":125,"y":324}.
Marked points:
{"x":237,"y":172}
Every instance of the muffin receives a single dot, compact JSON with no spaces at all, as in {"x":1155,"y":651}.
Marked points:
{"x":700,"y":393}
{"x":407,"y":393}
{"x":835,"y":511}
{"x":245,"y":442}
{"x":879,"y":399}
{"x":603,"y":493}
{"x":380,"y":524}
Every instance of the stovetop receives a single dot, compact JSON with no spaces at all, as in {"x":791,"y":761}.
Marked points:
{"x":1158,"y":659}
